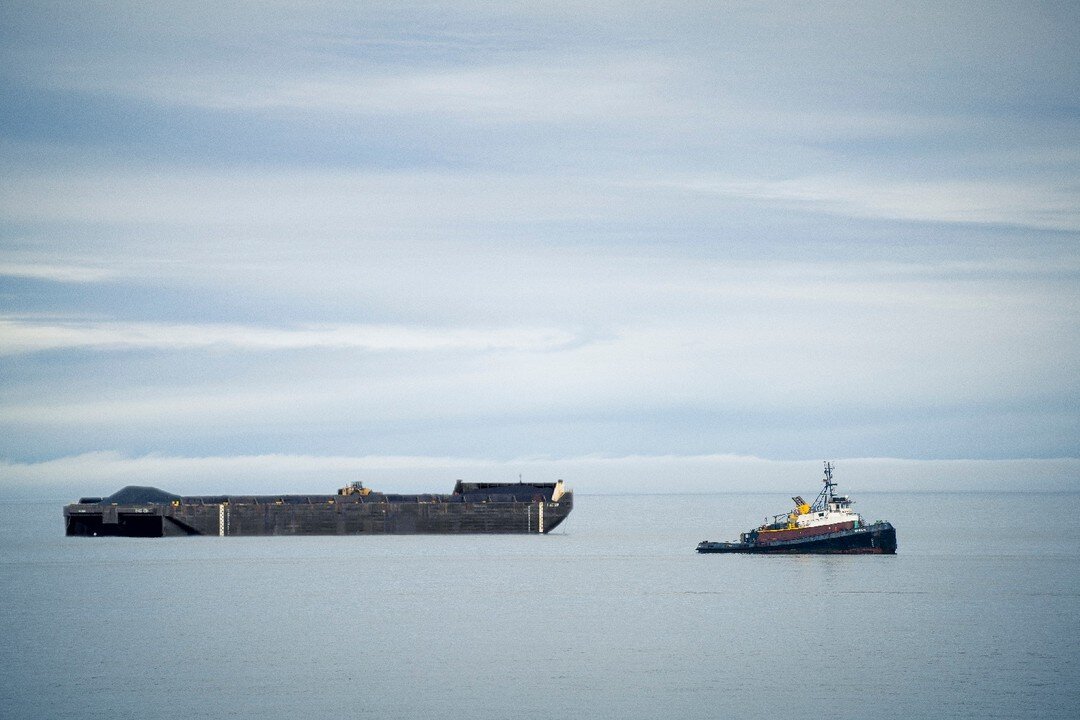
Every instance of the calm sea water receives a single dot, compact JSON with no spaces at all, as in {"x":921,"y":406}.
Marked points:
{"x":612,"y":616}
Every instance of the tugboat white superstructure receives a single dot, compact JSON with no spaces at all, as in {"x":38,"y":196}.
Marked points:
{"x":828,"y":525}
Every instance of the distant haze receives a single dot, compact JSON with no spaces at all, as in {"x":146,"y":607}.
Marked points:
{"x":682,"y":246}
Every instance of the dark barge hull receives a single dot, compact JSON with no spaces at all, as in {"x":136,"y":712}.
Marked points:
{"x":876,"y":539}
{"x":472,"y":508}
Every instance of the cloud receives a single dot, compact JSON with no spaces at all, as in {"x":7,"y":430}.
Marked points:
{"x":1046,"y":206}
{"x":54,"y":273}
{"x":550,"y":89}
{"x":713,"y":350}
{"x":348,"y":207}
{"x":106,"y":472}
{"x":357,"y":229}
{"x":18,"y":336}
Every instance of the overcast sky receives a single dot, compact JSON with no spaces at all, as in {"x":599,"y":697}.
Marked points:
{"x":683,"y":245}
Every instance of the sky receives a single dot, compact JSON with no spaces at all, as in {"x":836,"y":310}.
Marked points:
{"x":640,"y":246}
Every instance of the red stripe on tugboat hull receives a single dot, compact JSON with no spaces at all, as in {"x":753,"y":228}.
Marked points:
{"x":771,"y":536}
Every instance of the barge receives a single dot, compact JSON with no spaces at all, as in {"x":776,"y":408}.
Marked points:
{"x":137,"y":511}
{"x":826,"y":526}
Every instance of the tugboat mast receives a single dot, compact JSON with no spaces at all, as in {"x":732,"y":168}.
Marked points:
{"x":826,"y":494}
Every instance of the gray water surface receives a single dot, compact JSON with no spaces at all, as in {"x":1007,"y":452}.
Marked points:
{"x":612,"y":616}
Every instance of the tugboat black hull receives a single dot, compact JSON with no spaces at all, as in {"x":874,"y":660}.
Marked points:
{"x":876,"y":539}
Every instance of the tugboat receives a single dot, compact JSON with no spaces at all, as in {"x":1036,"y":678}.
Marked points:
{"x":829,"y":525}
